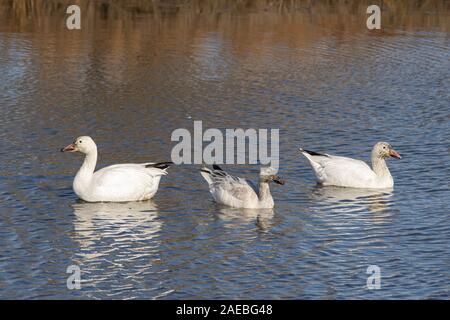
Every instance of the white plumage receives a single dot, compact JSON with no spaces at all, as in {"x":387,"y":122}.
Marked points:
{"x":116,"y":183}
{"x":347,"y":172}
{"x":238,"y":192}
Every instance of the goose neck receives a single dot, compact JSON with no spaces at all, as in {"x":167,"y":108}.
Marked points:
{"x":88,"y":167}
{"x":379,"y":166}
{"x":264,"y":192}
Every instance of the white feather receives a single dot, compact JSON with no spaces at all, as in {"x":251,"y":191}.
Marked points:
{"x":347,"y":172}
{"x":236,"y":192}
{"x":115,"y":183}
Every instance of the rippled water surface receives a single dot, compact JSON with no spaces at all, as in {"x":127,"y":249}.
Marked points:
{"x":129,"y":79}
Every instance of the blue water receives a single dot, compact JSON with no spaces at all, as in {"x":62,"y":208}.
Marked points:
{"x":129,"y":87}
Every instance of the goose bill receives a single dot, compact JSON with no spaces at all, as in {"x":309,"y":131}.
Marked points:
{"x":70,"y":148}
{"x":278,"y":180}
{"x":394,"y":154}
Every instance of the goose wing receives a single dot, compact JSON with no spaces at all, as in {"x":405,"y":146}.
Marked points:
{"x":341,"y":171}
{"x":127,"y":181}
{"x":228,"y":189}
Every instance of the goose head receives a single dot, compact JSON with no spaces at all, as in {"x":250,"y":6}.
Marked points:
{"x":269,"y":175}
{"x":83,"y":144}
{"x":384,"y":150}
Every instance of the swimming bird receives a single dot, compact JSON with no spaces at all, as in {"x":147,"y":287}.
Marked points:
{"x":116,"y":183}
{"x":347,"y":172}
{"x":238,"y":192}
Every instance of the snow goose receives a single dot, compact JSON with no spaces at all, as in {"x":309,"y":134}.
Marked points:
{"x":240,"y":193}
{"x":116,"y":183}
{"x":347,"y":172}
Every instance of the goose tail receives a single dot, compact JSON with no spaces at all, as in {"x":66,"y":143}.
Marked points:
{"x":160,"y":165}
{"x":206,"y":173}
{"x":312,"y":153}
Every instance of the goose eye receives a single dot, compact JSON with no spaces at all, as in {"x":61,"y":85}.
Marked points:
{"x":80,"y":141}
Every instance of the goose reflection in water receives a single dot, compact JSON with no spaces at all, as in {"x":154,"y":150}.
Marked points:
{"x":118,"y":244}
{"x":116,"y":239}
{"x":262,"y":218}
{"x":348,"y":200}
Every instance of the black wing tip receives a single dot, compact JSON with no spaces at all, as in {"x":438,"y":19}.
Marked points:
{"x":160,"y":165}
{"x":216,"y":167}
{"x":313,"y":153}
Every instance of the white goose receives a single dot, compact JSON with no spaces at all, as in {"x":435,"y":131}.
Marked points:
{"x":347,"y":172}
{"x":240,"y":193}
{"x":116,"y":183}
